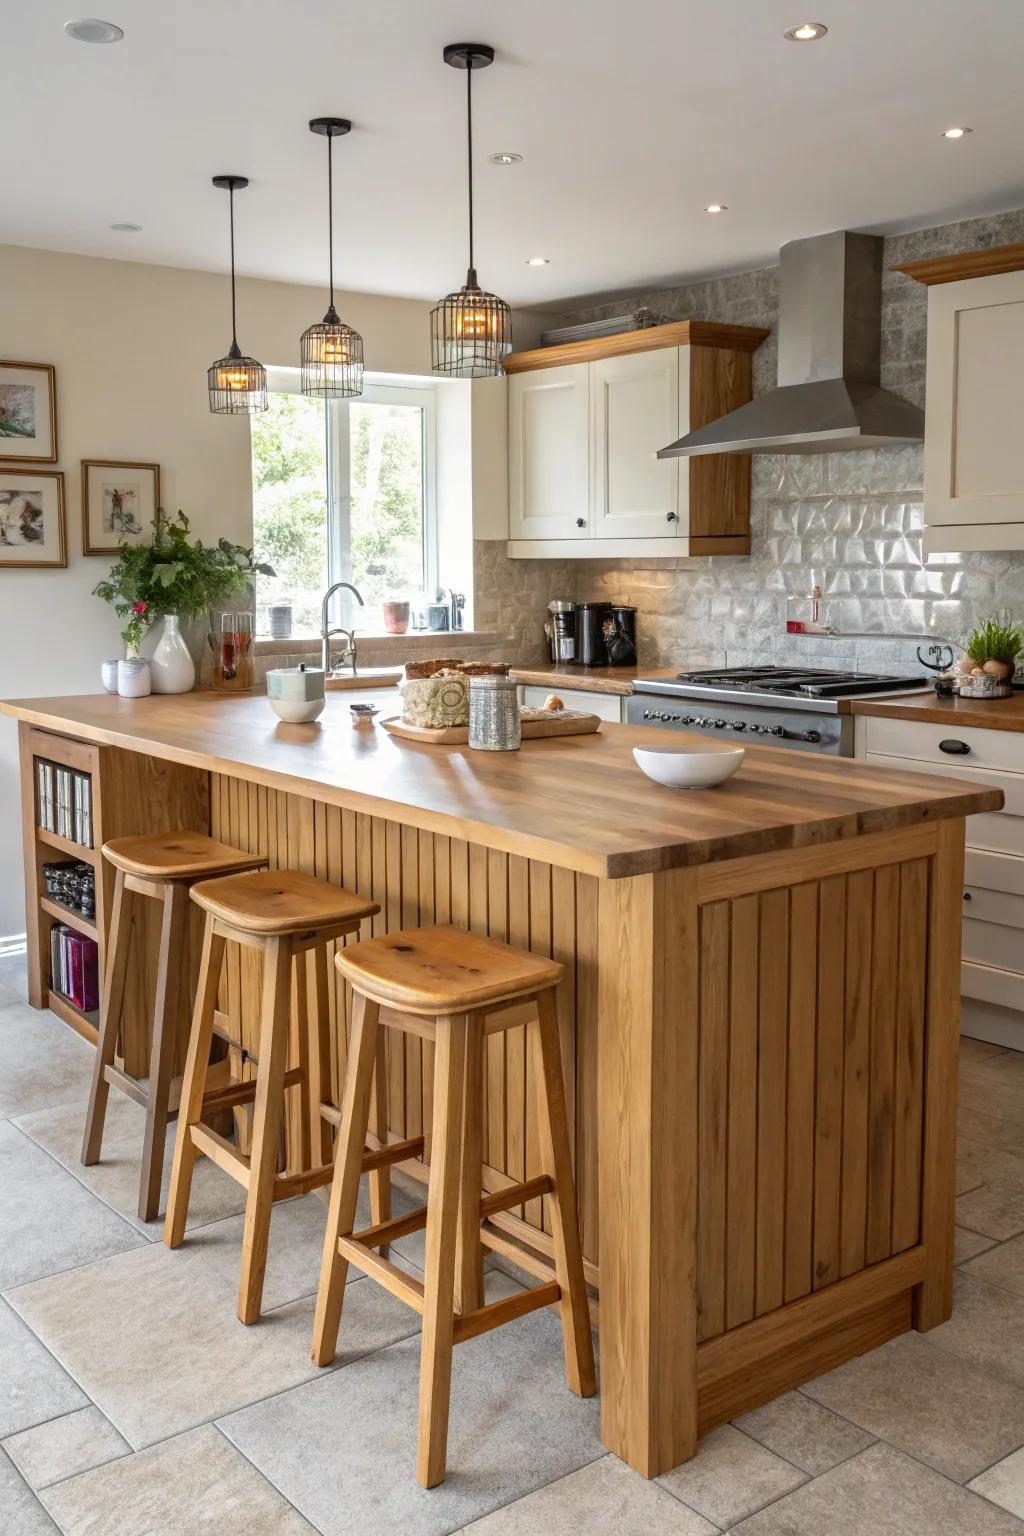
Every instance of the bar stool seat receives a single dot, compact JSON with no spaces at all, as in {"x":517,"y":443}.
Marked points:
{"x":160,"y":866}
{"x":280,"y":901}
{"x":453,"y":988}
{"x":285,"y":914}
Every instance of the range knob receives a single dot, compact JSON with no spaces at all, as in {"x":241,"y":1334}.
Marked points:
{"x":719,"y":725}
{"x":754,"y":727}
{"x":811,"y":736}
{"x":775,"y":730}
{"x":739,"y":725}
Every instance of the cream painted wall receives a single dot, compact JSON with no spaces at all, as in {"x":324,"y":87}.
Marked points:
{"x":131,"y":344}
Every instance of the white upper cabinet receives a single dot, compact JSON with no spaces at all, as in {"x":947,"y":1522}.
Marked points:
{"x":974,"y":446}
{"x":634,"y":411}
{"x":549,"y":454}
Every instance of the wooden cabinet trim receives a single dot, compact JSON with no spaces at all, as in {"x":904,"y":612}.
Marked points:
{"x":679,"y":333}
{"x":966,"y":264}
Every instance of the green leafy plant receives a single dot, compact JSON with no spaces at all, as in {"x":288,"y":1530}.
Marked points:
{"x":995,"y":639}
{"x":174,"y":574}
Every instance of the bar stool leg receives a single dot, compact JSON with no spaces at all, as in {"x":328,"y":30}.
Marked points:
{"x":161,"y":1053}
{"x":380,"y":1178}
{"x":116,"y":968}
{"x":469,"y":1277}
{"x":193,"y":1085}
{"x":320,"y":1054}
{"x":565,"y":1231}
{"x":348,"y":1159}
{"x":266,"y":1120}
{"x":442,"y":1224}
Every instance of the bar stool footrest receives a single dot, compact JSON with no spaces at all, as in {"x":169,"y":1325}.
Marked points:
{"x":288,"y":1185}
{"x":516,"y":1194}
{"x":388,"y":1231}
{"x":383,"y":1271}
{"x":220,"y":1151}
{"x":470,"y":1324}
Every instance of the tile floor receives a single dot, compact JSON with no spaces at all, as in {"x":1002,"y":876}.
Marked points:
{"x":132,"y":1403}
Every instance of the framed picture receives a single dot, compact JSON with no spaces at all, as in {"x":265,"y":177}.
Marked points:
{"x":119,"y":502}
{"x":31,"y":518}
{"x":28,"y":412}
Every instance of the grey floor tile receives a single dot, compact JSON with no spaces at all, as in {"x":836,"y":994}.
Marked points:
{"x":153,"y":1338}
{"x":986,"y":1126}
{"x":881,"y":1492}
{"x":49,"y":1221}
{"x":605,"y":1498}
{"x":343,"y":1449}
{"x":115,"y":1178}
{"x":1002,"y":1266}
{"x":730,"y":1477}
{"x":21,"y":1511}
{"x":33,"y":1387}
{"x":197,"y":1482}
{"x":973,"y":1052}
{"x":14,"y":972}
{"x":998,"y":1100}
{"x":1005,"y":1068}
{"x":995,"y":1209}
{"x":803,"y":1432}
{"x":970,"y":1244}
{"x":957,"y":1420}
{"x":63,"y":1447}
{"x":1004,"y":1484}
{"x":987,"y":1328}
{"x":42,"y":1061}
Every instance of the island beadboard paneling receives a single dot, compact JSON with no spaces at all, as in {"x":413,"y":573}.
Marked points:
{"x":423,"y":877}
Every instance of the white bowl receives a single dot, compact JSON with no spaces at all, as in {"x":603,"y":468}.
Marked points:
{"x":696,"y":767}
{"x":297,"y":711}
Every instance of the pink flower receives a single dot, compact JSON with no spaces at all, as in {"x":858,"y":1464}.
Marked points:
{"x":139,"y":608}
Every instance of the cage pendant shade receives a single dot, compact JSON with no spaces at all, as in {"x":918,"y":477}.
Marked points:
{"x":470,"y":330}
{"x":237,"y":384}
{"x":331,"y":352}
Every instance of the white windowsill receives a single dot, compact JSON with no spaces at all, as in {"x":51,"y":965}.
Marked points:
{"x":416,"y":640}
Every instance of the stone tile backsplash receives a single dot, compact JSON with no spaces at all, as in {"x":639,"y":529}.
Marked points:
{"x":851,"y":522}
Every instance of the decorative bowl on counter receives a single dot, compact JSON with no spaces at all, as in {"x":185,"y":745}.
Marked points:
{"x":697,"y":767}
{"x":296,"y":694}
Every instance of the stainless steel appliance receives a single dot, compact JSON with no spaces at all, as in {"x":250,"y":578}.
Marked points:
{"x":807,"y":708}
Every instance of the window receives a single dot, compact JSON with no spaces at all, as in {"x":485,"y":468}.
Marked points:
{"x":343,"y":490}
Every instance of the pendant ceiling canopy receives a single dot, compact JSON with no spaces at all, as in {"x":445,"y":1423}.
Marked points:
{"x":237,"y":384}
{"x":332,"y":352}
{"x":470,"y":330}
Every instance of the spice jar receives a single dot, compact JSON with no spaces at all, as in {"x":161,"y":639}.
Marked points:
{"x":494,"y":724}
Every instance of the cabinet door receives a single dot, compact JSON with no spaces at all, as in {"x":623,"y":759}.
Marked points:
{"x":974,"y":447}
{"x":634,"y":405}
{"x":549,"y":459}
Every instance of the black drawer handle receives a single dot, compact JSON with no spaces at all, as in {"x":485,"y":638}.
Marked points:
{"x":954,"y":747}
{"x":968,"y":896}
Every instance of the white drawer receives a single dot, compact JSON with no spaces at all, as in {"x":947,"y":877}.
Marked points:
{"x":994,"y":871}
{"x":992,"y":944}
{"x":992,"y":984}
{"x":919,"y":739}
{"x":606,"y":705}
{"x":996,"y":907}
{"x":1001,"y":831}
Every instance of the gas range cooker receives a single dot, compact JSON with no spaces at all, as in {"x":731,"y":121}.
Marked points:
{"x":769,"y":703}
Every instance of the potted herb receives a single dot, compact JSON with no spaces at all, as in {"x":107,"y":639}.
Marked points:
{"x":994,"y":645}
{"x":174,"y":577}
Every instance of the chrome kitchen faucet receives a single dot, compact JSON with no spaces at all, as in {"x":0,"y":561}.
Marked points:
{"x":349,"y":655}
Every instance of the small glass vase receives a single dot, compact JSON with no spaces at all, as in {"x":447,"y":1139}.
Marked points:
{"x":231,"y":641}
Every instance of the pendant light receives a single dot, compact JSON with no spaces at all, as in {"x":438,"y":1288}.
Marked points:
{"x":332,"y":352}
{"x":470,"y":331}
{"x":237,"y":384}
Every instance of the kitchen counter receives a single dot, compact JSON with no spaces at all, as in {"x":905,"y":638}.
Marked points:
{"x":617,"y":680}
{"x":759,"y":1011}
{"x":986,"y":714}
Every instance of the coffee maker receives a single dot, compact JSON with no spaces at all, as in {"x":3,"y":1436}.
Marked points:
{"x":605,"y":635}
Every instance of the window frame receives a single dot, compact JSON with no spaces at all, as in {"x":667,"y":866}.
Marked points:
{"x":378,"y":389}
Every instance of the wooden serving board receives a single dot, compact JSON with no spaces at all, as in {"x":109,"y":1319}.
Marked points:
{"x":566,"y":723}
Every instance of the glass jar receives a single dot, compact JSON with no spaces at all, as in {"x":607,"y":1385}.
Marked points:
{"x":231,"y":639}
{"x":494,"y":724}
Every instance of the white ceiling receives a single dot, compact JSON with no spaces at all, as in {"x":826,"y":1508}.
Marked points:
{"x":631,"y":115}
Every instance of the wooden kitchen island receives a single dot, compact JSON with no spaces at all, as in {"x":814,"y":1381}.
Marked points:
{"x":759,"y":1018}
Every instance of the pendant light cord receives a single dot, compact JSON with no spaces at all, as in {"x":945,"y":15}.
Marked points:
{"x":469,"y":150}
{"x":330,"y":212}
{"x":234,"y":322}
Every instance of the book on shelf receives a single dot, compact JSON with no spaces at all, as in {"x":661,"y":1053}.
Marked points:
{"x":46,"y":795}
{"x":74,"y":967}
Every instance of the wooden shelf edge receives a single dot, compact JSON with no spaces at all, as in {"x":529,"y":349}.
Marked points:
{"x":679,"y":333}
{"x":84,"y":1024}
{"x":953,"y":269}
{"x":66,"y":845}
{"x":77,"y":920}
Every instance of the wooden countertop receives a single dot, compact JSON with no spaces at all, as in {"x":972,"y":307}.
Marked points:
{"x":591,"y":679}
{"x":986,"y":714}
{"x":578,"y":802}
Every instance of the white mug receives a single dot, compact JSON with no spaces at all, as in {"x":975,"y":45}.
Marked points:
{"x":133,"y":681}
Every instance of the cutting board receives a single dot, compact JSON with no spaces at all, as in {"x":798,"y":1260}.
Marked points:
{"x":566,"y":723}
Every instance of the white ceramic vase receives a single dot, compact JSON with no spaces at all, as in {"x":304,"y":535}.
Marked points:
{"x":171,"y":666}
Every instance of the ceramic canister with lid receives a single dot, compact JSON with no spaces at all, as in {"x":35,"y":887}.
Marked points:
{"x":296,"y":694}
{"x":494,"y":723}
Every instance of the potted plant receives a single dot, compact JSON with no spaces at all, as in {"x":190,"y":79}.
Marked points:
{"x":992,"y":649}
{"x":173,"y":578}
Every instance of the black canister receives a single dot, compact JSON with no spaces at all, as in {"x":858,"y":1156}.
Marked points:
{"x":620,"y":636}
{"x":590,"y":647}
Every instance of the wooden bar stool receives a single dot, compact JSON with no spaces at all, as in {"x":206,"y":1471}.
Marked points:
{"x":162,"y":866}
{"x":284,"y":914}
{"x":452,"y":988}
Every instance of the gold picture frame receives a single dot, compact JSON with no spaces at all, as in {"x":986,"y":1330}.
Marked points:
{"x":119,"y":500}
{"x":23,"y":425}
{"x":32,"y":519}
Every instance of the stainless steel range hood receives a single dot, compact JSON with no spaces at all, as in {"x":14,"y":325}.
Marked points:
{"x":829,"y":399}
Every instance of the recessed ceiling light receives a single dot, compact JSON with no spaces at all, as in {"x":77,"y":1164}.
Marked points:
{"x":505,"y":157}
{"x":955,"y":133}
{"x":717,"y":208}
{"x":126,"y":229}
{"x":89,"y":30}
{"x":538,"y":261}
{"x":806,"y":32}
